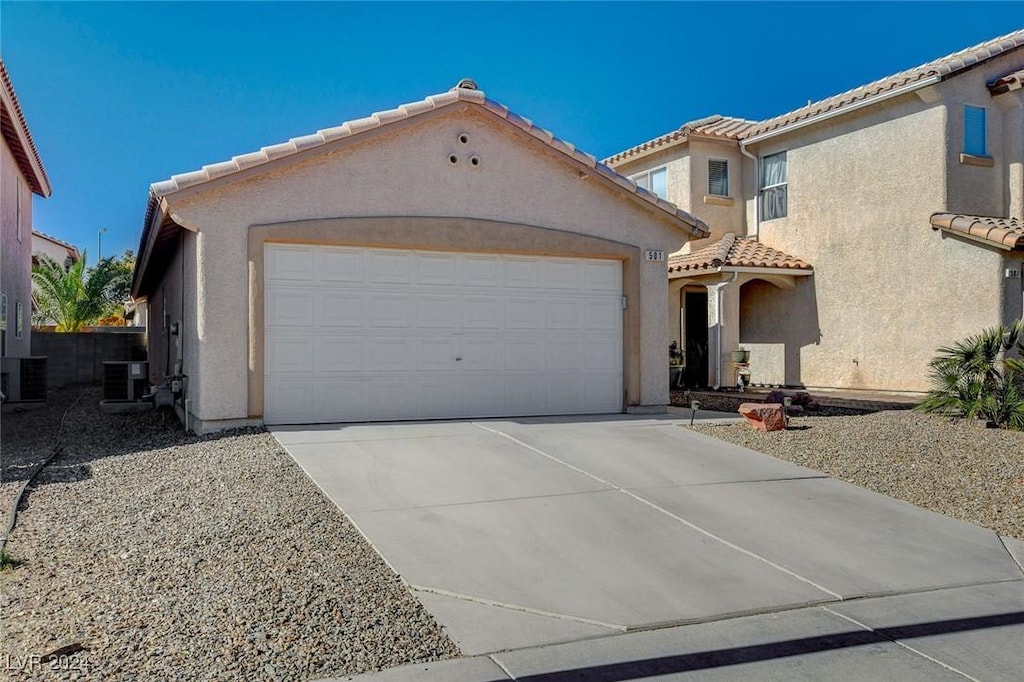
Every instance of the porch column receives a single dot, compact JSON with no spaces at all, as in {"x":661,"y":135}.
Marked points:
{"x":723,"y":330}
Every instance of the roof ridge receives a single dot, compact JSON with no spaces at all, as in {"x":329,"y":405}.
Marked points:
{"x":944,"y":66}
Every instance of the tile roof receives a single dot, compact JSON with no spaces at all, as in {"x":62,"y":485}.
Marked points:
{"x":1011,"y":81}
{"x":734,"y":252}
{"x":18,"y":137}
{"x":55,"y":240}
{"x":1006,"y":233}
{"x":465,"y":91}
{"x":716,"y":126}
{"x":941,"y":68}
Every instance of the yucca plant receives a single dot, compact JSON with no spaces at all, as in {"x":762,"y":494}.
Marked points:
{"x":73,"y":297}
{"x":979,"y":378}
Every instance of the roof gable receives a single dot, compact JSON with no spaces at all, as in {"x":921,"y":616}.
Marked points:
{"x":716,"y":127}
{"x":18,"y":137}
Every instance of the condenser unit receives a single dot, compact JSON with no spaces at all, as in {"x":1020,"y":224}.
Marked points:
{"x":24,"y":379}
{"x":125,"y":381}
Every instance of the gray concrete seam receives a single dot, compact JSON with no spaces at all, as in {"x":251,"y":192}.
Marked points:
{"x":901,"y":644}
{"x":517,"y":607}
{"x":666,"y":512}
{"x":1012,"y":557}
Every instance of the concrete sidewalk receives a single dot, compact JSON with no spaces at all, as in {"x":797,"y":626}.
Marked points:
{"x":548,"y":544}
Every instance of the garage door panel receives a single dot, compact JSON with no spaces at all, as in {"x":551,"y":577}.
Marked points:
{"x":438,"y":354}
{"x":564,"y":313}
{"x":339,"y":265}
{"x":481,"y":271}
{"x":338,"y":354}
{"x":438,"y":312}
{"x":290,"y":263}
{"x":340,"y":309}
{"x":602,"y":276}
{"x":562,"y":354}
{"x":390,"y":354}
{"x":289,"y":308}
{"x":482,"y":312}
{"x":356,"y":334}
{"x":437,"y":269}
{"x":524,"y":313}
{"x":389,"y":310}
{"x":390,"y":267}
{"x":291,"y":354}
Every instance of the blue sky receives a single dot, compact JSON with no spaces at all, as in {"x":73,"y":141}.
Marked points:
{"x":122,"y":95}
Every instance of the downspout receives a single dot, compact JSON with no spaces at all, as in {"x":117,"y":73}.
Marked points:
{"x":757,"y":194}
{"x":718,"y":333}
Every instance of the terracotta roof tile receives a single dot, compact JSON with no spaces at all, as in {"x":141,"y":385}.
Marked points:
{"x":1011,"y":81}
{"x":942,"y":68}
{"x":22,"y":146}
{"x":734,"y":252}
{"x":717,"y":126}
{"x":1006,"y":233}
{"x":457,"y":95}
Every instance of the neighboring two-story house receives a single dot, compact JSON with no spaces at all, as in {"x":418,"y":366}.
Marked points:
{"x":57,"y":249}
{"x":853,"y":237}
{"x":21,"y":176}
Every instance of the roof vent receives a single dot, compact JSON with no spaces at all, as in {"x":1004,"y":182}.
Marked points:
{"x":466,"y":84}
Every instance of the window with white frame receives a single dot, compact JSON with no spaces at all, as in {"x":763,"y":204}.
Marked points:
{"x":975,"y":137}
{"x":654,"y":180}
{"x":718,"y":177}
{"x":17,"y":202}
{"x":19,"y":313}
{"x":774,"y":187}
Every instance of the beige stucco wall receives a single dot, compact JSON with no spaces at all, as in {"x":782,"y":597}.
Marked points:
{"x":15,"y":253}
{"x":55,"y":251}
{"x":404,"y":170}
{"x":888,"y":290}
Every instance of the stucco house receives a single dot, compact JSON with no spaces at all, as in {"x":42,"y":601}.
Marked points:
{"x":447,"y":258}
{"x":21,"y":176}
{"x":852,"y":237}
{"x":54,"y":247}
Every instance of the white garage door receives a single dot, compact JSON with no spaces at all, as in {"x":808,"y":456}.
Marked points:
{"x":357,"y":334}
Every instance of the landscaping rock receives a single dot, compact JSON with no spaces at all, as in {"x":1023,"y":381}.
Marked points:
{"x":764,"y":416}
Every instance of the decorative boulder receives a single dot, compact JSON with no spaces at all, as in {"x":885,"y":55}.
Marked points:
{"x":764,"y":416}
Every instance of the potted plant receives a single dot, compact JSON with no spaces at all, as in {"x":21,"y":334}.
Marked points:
{"x":740,"y":356}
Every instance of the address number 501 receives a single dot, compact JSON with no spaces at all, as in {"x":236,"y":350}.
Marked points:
{"x":654,"y":255}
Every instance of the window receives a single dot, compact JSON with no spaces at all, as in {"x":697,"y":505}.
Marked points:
{"x":656,"y":181}
{"x":774,"y":186}
{"x":3,"y":312}
{"x":17,"y":202}
{"x":718,"y":177}
{"x":19,"y":313}
{"x":975,"y":142}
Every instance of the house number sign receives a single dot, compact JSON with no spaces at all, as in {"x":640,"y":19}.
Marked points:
{"x":654,"y":255}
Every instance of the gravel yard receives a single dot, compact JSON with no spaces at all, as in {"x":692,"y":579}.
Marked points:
{"x":960,"y":470}
{"x":169,"y":556}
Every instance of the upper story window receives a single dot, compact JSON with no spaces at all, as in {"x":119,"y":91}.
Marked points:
{"x":718,"y":177}
{"x":774,"y":187}
{"x":975,"y":137}
{"x":19,"y":314}
{"x":655,"y":180}
{"x":17,"y":202}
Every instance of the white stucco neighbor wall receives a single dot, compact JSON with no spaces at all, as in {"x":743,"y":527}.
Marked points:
{"x":404,"y":170}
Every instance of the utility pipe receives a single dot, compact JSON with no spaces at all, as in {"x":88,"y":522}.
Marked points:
{"x":757,"y":190}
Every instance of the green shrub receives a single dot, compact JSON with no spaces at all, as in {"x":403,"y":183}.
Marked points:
{"x":979,"y":378}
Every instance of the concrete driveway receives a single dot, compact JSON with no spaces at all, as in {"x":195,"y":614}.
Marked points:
{"x":518,"y":535}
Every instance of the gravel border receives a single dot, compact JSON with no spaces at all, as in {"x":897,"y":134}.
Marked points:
{"x":175,"y":556}
{"x":951,"y":467}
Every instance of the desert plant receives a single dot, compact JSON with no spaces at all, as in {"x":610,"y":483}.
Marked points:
{"x":73,"y":297}
{"x":979,"y":378}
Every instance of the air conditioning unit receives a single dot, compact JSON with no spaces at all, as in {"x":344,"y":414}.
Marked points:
{"x":125,"y":381}
{"x":24,"y":379}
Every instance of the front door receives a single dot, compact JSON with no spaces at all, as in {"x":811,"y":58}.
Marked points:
{"x":695,"y":338}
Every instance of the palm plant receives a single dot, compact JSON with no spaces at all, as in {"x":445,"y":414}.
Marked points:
{"x":978,"y":377}
{"x":73,"y":297}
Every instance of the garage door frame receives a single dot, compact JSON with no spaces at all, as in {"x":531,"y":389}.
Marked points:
{"x":437,"y":233}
